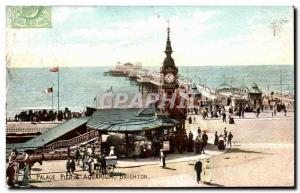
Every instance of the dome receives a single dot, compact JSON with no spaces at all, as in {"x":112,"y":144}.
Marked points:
{"x":169,"y":61}
{"x":254,"y":88}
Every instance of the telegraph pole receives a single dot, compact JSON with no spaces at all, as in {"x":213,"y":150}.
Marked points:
{"x":281,"y":86}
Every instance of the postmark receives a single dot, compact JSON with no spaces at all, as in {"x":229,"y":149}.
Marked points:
{"x":30,"y":17}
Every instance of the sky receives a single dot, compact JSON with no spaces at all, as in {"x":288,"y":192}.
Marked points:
{"x":200,"y":36}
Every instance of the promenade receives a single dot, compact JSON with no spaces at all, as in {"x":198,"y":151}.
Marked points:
{"x":262,"y":155}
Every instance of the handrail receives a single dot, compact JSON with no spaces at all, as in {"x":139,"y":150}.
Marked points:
{"x":76,"y":140}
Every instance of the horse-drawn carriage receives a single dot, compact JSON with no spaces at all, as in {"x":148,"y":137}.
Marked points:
{"x":108,"y":164}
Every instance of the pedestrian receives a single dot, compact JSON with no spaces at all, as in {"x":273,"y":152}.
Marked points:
{"x":162,"y":158}
{"x":230,"y":136}
{"x":12,"y":156}
{"x":284,"y":110}
{"x":230,"y":109}
{"x":190,"y":120}
{"x":84,"y":160}
{"x":112,"y":151}
{"x":25,"y":174}
{"x":257,"y":112}
{"x":223,"y":114}
{"x":69,"y":167}
{"x":221,"y":143}
{"x":199,"y":132}
{"x":89,"y":150}
{"x":198,"y":169}
{"x":204,"y":138}
{"x":216,"y":141}
{"x":225,"y":134}
{"x":77,"y":156}
{"x":207,"y":178}
{"x":194,"y":119}
{"x":224,"y":117}
{"x":243,"y":112}
{"x":93,"y":150}
{"x":197,"y":145}
{"x":202,"y":145}
{"x":103,"y":164}
{"x":73,"y":166}
{"x":190,"y":142}
{"x":231,"y":120}
{"x":10,"y":173}
{"x":91,"y":165}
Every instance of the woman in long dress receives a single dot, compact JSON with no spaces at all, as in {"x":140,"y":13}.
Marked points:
{"x":207,"y":173}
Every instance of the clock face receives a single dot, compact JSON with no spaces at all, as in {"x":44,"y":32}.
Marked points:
{"x":170,"y":78}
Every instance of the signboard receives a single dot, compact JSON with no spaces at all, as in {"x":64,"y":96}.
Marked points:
{"x":166,"y":145}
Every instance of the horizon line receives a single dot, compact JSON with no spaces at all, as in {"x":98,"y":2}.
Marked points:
{"x":152,"y":66}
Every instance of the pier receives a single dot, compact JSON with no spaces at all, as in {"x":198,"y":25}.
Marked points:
{"x":150,"y":81}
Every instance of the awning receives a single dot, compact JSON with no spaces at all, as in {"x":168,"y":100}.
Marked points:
{"x":129,"y":120}
{"x":54,"y":133}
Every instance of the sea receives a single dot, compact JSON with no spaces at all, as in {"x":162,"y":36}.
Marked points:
{"x":78,"y":86}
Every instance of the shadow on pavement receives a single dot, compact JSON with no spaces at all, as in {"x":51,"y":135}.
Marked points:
{"x":238,"y":150}
{"x":214,"y":184}
{"x":36,"y":169}
{"x":169,"y":168}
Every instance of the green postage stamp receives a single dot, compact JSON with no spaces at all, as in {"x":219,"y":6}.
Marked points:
{"x":30,"y":17}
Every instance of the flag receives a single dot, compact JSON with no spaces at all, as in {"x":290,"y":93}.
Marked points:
{"x":48,"y":90}
{"x":54,"y":69}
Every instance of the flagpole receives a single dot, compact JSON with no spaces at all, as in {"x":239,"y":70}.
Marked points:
{"x":58,"y":90}
{"x":52,"y":100}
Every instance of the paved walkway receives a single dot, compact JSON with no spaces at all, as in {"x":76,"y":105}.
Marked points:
{"x":172,"y":158}
{"x":59,"y":166}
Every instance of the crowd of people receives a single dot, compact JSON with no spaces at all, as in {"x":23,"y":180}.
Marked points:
{"x":217,"y":110}
{"x":220,"y":140}
{"x":88,"y":160}
{"x":46,"y":115}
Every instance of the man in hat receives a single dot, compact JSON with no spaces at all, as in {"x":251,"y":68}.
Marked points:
{"x":103,"y":164}
{"x":225,"y":134}
{"x":69,"y":167}
{"x":198,"y":169}
{"x":73,"y":165}
{"x":77,"y":156}
{"x":230,"y":136}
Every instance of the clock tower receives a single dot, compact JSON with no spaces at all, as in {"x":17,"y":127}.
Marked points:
{"x":169,"y":72}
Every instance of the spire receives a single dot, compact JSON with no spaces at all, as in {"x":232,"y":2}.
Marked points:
{"x":168,"y":46}
{"x":168,"y":61}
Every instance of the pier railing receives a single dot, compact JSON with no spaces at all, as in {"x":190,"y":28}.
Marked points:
{"x":27,"y":130}
{"x":71,"y":142}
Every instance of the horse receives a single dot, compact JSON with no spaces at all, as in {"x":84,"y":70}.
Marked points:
{"x":31,"y":160}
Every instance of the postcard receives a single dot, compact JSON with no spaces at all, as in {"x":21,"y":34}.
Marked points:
{"x":150,"y":96}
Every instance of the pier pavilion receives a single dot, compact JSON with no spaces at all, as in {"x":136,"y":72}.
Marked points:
{"x":133,"y":123}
